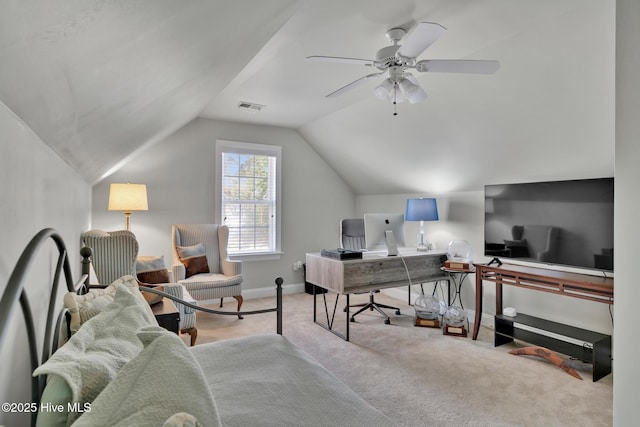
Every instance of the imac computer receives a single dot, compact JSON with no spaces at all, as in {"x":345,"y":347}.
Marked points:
{"x":377,"y":224}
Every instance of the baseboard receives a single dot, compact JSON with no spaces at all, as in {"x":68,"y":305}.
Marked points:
{"x":270,"y":291}
{"x":399,"y":293}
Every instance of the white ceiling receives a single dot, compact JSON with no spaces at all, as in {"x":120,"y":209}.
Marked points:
{"x":99,"y":80}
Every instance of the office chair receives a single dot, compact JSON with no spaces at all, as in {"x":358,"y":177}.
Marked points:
{"x":352,"y":237}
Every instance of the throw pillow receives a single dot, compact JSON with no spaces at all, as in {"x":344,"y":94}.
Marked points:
{"x":149,"y":297}
{"x":194,"y":259}
{"x":151,"y":270}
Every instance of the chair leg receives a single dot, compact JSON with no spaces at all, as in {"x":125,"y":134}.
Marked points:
{"x":240,"y":300}
{"x":372,"y":305}
{"x":193,"y":333}
{"x":221,"y":300}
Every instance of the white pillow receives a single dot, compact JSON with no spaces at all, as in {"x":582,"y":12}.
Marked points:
{"x":84,"y":307}
{"x":162,"y":381}
{"x":94,"y":355}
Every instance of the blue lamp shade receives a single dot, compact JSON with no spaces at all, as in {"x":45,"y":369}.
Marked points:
{"x":423,"y":209}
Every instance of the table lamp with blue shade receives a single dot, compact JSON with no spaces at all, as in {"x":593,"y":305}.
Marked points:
{"x":422,"y":209}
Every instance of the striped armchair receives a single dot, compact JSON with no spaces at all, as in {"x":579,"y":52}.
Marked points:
{"x":114,"y":255}
{"x":218,"y":276}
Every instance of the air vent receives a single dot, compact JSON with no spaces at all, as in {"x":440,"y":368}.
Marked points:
{"x":250,"y":106}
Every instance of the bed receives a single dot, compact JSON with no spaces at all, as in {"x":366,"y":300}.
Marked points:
{"x":120,"y":368}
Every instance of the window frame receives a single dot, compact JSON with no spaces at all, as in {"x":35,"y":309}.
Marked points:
{"x":222,"y":146}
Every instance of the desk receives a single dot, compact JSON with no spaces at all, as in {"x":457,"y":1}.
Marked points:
{"x":374,"y":271}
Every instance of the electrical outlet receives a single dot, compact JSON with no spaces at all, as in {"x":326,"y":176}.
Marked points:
{"x":297,"y":265}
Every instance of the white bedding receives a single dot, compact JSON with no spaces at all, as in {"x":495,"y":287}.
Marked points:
{"x":266,"y":380}
{"x":132,"y":372}
{"x":162,"y":381}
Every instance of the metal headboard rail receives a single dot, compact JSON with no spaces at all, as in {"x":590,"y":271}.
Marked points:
{"x":277,"y":308}
{"x":15,"y":291}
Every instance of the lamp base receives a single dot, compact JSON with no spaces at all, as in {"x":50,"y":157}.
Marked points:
{"x":127,"y":220}
{"x":421,"y":244}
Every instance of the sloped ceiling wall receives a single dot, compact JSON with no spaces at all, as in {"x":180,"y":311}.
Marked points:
{"x":99,"y":79}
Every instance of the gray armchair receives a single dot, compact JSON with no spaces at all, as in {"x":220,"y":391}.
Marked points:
{"x":114,"y":255}
{"x":201,"y":262}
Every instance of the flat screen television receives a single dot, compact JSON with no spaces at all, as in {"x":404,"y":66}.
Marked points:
{"x":375,"y":225}
{"x":558,"y":222}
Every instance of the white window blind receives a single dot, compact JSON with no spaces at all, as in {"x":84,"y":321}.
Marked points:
{"x":249,"y":196}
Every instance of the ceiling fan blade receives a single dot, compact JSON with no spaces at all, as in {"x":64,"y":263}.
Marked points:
{"x":354,"y":84}
{"x":457,"y":66}
{"x":420,"y":39}
{"x":419,"y":95}
{"x":340,"y":59}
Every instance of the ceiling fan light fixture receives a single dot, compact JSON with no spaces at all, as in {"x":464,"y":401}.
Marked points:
{"x":417,"y":97}
{"x":384,"y":90}
{"x":407,"y":88}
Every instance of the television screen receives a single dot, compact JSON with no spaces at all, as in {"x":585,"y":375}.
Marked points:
{"x":559,"y":222}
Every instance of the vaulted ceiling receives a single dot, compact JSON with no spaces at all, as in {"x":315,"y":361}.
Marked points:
{"x":99,"y":80}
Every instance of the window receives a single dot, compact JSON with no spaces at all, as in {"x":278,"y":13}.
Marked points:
{"x":248,"y":196}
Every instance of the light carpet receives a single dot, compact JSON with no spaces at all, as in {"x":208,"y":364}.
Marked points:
{"x":420,"y":377}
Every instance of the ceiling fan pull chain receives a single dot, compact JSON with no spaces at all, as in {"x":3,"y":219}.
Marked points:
{"x":395,"y":104}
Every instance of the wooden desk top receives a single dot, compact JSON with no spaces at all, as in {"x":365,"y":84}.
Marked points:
{"x":375,"y":270}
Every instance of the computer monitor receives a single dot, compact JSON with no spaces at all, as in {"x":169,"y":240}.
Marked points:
{"x":375,"y":225}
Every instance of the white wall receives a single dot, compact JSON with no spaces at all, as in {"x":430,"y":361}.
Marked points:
{"x":179,"y":173}
{"x":626,"y":346}
{"x":462,"y":217}
{"x":37,"y":190}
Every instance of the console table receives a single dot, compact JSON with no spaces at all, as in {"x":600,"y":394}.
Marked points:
{"x":583,"y":286}
{"x":372,"y":272}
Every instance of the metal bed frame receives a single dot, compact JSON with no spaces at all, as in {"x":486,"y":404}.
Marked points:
{"x":15,"y":291}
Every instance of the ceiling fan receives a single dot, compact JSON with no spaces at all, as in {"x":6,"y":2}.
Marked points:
{"x":397,"y":59}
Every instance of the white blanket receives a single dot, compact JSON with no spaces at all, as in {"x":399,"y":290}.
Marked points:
{"x":163,"y":380}
{"x":94,"y":355}
{"x":268,"y":381}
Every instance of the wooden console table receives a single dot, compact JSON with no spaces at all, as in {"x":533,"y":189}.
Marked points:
{"x":583,"y":286}
{"x":374,"y":271}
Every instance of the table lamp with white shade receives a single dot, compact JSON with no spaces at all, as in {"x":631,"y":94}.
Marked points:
{"x":128,"y":198}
